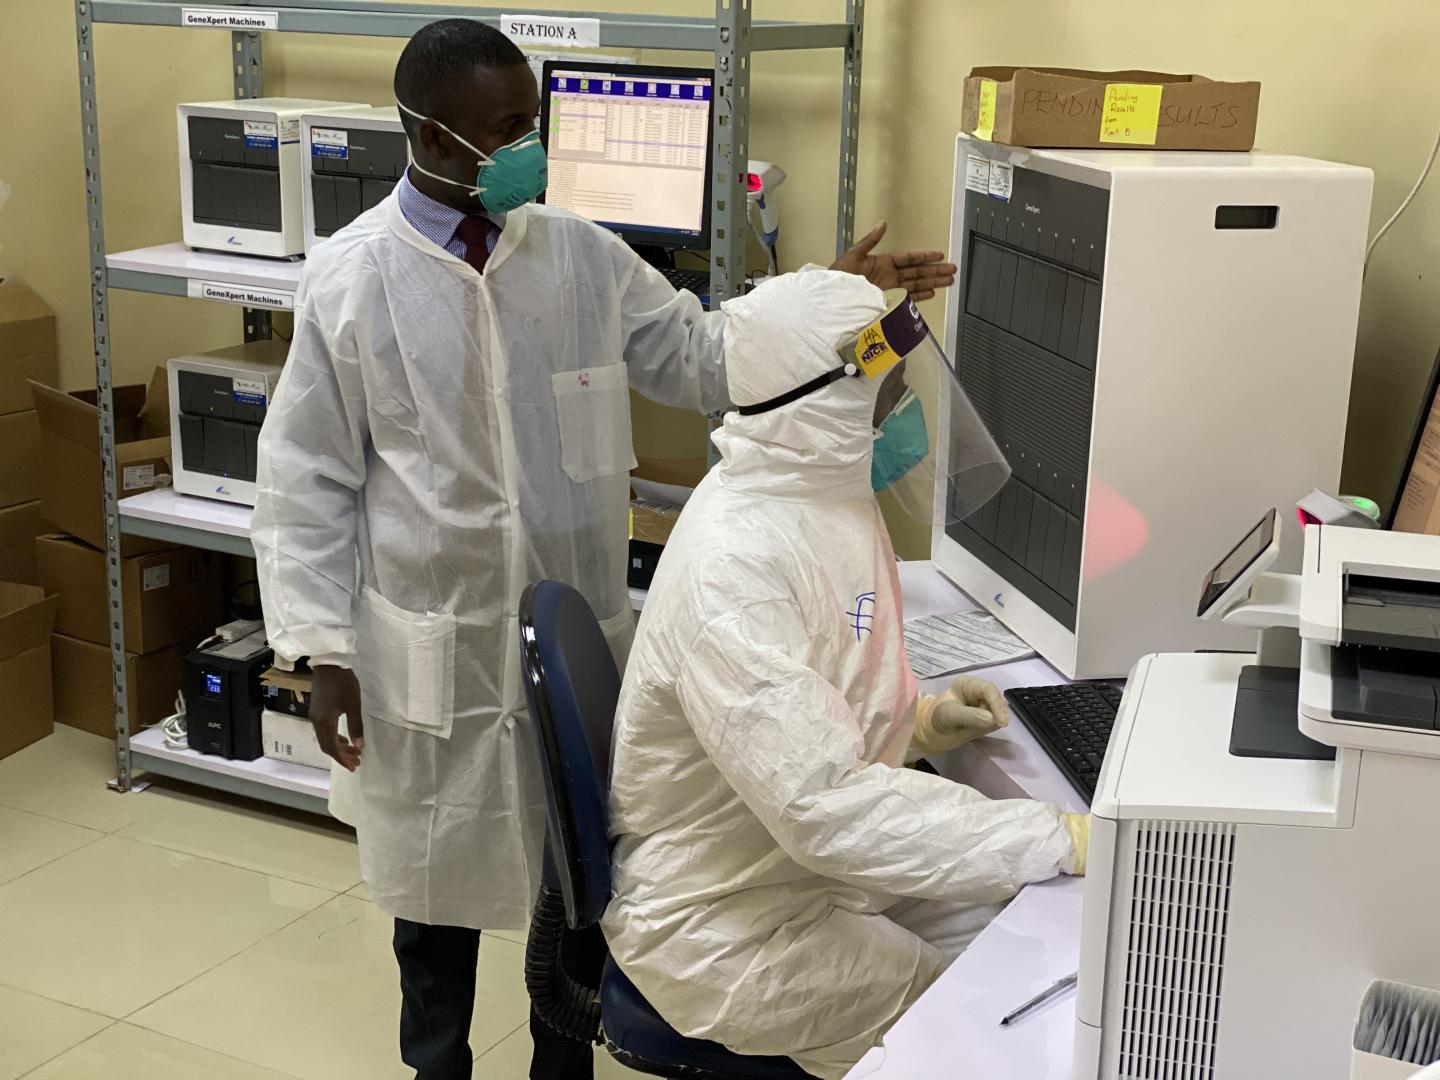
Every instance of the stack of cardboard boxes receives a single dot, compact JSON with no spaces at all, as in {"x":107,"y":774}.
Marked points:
{"x":50,"y":478}
{"x":27,"y":351}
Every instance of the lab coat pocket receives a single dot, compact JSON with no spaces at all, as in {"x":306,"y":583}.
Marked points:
{"x":408,"y":672}
{"x":593,"y":409}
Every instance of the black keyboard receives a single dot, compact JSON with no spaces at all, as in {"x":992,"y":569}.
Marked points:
{"x":1073,"y":723}
{"x":695,"y":281}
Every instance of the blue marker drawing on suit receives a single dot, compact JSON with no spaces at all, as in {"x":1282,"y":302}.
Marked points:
{"x":861,"y":618}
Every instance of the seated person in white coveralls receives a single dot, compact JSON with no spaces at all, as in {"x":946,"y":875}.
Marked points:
{"x":782,"y":884}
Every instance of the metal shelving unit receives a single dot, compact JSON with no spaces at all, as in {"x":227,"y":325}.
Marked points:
{"x":260,"y":286}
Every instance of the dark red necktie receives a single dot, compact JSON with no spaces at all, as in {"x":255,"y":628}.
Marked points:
{"x":475,"y":232}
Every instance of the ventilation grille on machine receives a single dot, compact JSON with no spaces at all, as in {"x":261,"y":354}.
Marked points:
{"x":1175,"y":958}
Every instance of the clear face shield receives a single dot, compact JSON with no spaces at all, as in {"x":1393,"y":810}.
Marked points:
{"x":926,"y":428}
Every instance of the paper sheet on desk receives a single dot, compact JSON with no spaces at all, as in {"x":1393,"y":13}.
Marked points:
{"x":1031,"y":944}
{"x":960,"y":641}
{"x":661,"y":494}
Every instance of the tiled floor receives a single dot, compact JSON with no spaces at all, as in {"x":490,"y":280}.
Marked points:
{"x":178,"y":935}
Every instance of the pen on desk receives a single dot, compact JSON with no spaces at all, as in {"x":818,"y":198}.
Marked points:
{"x":1040,"y":999}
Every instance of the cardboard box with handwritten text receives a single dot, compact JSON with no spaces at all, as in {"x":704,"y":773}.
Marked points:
{"x":1109,"y":110}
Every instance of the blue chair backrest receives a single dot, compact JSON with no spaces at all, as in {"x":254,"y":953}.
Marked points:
{"x":572,"y":687}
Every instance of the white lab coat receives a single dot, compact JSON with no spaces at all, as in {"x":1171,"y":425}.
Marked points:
{"x":458,"y":436}
{"x":782,"y":885}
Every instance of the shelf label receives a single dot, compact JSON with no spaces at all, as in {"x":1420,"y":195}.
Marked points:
{"x":329,"y":142}
{"x":551,"y":30}
{"x":215,"y":18}
{"x":245,"y":295}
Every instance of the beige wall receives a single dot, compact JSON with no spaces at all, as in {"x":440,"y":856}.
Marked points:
{"x":1345,"y":82}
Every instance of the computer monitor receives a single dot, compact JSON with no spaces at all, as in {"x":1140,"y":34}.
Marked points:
{"x":1427,"y":403}
{"x":629,"y":148}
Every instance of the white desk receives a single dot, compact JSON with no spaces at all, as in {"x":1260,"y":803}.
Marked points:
{"x":953,"y":1030}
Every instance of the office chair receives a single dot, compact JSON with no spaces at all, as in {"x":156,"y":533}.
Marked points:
{"x":572,"y":688}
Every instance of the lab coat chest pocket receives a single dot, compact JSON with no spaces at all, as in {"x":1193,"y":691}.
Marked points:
{"x":407,"y":668}
{"x":592,"y":407}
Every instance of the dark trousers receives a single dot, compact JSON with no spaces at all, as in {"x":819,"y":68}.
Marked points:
{"x":437,"y":987}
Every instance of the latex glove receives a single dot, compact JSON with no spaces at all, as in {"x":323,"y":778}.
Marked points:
{"x":1079,"y":826}
{"x":970,"y":708}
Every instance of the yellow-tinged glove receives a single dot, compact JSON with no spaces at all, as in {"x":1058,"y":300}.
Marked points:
{"x":1079,"y":826}
{"x":970,"y":708}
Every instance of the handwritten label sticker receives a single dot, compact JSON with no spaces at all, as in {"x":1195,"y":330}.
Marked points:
{"x":1002,"y":179}
{"x":1131,"y":114}
{"x":985,"y":128}
{"x":977,"y":174}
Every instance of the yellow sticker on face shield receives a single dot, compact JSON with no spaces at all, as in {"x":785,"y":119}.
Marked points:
{"x":888,"y":340}
{"x":873,"y":353}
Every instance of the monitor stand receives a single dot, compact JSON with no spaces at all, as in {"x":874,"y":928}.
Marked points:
{"x":1266,"y":723}
{"x":662,"y":258}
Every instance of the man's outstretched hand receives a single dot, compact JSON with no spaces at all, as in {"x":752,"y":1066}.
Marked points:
{"x":919,"y":273}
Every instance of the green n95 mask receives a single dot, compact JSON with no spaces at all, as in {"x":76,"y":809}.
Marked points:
{"x":514,"y":175}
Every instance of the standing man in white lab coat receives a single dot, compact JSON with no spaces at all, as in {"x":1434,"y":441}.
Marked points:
{"x":452,"y":425}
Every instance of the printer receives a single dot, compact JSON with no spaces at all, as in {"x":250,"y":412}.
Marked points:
{"x":241,"y":174}
{"x":1264,"y":845}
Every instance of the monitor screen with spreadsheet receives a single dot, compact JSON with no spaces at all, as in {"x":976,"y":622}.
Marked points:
{"x":629,"y":148}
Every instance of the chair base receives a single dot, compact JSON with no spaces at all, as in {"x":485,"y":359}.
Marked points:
{"x":561,"y":1002}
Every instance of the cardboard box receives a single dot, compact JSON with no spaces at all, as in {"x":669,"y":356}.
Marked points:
{"x":170,"y":597}
{"x":656,"y":501}
{"x":26,"y":617}
{"x":291,"y":738}
{"x":70,"y":455}
{"x":287,"y":692}
{"x":83,"y":694}
{"x":659,"y":489}
{"x":1109,"y":110}
{"x":27,"y":347}
{"x":1419,"y":510}
{"x":19,"y":526}
{"x":19,"y":457}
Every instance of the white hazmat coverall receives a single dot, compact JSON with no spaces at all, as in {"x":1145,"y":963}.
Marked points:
{"x":451,"y":438}
{"x":782,"y":884}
